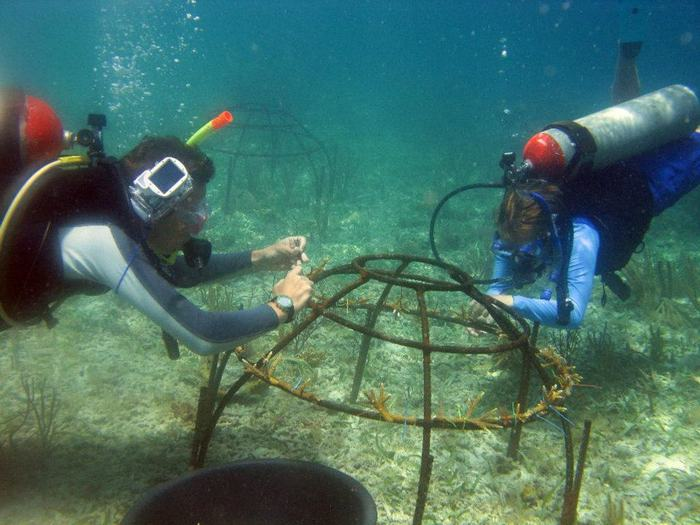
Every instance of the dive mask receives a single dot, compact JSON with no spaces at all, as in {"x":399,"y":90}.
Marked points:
{"x":157,"y":191}
{"x":194,"y":217}
{"x":529,"y":259}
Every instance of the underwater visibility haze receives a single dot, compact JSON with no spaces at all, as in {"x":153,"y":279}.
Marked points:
{"x":351,"y":120}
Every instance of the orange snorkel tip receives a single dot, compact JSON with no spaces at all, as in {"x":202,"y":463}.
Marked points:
{"x":224,"y":119}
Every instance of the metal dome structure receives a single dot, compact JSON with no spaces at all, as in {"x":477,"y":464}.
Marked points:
{"x":405,"y":311}
{"x":271,"y":148}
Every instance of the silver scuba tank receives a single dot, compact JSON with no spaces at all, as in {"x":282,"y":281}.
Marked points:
{"x":597,"y":140}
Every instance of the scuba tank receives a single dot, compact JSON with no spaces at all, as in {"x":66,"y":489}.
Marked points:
{"x":31,"y":139}
{"x":30,"y":132}
{"x":564,"y":150}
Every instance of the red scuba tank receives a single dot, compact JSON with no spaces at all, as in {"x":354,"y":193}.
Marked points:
{"x":563,"y":149}
{"x":30,"y":132}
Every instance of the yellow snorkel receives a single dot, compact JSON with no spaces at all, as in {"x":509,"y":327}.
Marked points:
{"x":215,"y":124}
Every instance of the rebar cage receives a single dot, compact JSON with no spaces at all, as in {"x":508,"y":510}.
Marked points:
{"x":273,"y":148}
{"x":410,"y":313}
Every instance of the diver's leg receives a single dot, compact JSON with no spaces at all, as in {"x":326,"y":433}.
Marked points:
{"x":672,"y":170}
{"x":626,"y":83}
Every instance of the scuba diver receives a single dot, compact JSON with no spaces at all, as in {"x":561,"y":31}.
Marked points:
{"x":582,"y":200}
{"x":93,"y":224}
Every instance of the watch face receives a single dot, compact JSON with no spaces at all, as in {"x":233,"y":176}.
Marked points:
{"x":284,"y":302}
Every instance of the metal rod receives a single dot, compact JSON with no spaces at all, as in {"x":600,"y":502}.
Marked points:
{"x":426,"y":465}
{"x":569,"y":510}
{"x":370,"y":322}
{"x":523,"y":389}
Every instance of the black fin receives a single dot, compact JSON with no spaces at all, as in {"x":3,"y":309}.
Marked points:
{"x":171,"y":345}
{"x":630,"y":50}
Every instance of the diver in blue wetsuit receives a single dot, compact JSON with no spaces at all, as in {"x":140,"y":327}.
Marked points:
{"x":586,"y":226}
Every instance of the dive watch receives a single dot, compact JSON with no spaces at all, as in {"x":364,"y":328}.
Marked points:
{"x":285,"y":304}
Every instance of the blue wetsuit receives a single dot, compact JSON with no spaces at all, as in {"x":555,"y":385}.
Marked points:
{"x":671,"y":171}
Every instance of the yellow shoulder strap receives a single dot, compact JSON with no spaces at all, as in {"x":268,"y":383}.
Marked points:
{"x":16,"y":206}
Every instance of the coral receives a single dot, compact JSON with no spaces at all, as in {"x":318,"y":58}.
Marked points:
{"x":614,"y":512}
{"x":691,"y":280}
{"x":656,"y":345}
{"x":298,"y":390}
{"x":465,"y":419}
{"x":600,"y":342}
{"x":219,"y":298}
{"x":608,"y":354}
{"x":657,"y":284}
{"x":652,"y":279}
{"x":44,"y":405}
{"x":567,"y":343}
{"x":378,"y":401}
{"x":672,"y":314}
{"x":648,"y":386}
{"x":183,"y":411}
{"x":565,"y":374}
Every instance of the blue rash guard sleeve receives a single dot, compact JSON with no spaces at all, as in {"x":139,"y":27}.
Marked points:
{"x":582,"y":263}
{"x":502,"y":270}
{"x":105,"y":255}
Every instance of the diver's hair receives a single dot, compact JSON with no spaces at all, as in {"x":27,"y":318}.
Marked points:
{"x":521,"y":219}
{"x":153,"y":149}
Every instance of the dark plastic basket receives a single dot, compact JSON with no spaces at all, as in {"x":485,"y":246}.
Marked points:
{"x":258,"y":492}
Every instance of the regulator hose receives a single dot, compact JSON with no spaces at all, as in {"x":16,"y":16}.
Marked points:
{"x":442,"y":202}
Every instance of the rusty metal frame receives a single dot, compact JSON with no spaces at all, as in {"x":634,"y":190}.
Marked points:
{"x":278,"y":124}
{"x":556,"y":376}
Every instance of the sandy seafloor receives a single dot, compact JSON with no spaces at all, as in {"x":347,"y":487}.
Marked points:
{"x":125,"y":417}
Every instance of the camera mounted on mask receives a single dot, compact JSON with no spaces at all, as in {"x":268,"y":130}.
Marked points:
{"x":157,"y":191}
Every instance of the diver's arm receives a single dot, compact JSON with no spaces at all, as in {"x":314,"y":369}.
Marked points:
{"x":105,"y":255}
{"x":281,"y":255}
{"x":626,"y":84}
{"x":502,"y":272}
{"x":581,"y":273}
{"x":219,"y":265}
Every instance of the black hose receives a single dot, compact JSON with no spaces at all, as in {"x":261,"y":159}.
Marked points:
{"x":442,"y":202}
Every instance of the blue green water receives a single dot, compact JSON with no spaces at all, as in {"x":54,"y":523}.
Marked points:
{"x":432,"y":72}
{"x":415,"y":98}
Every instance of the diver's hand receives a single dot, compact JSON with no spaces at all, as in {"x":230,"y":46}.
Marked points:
{"x":505,"y":299}
{"x":295,"y":286}
{"x":477,"y":312}
{"x":281,"y":255}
